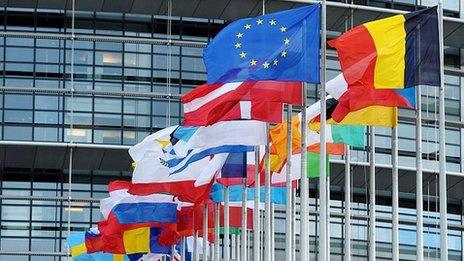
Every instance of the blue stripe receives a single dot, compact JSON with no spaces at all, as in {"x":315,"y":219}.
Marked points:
{"x":205,"y":153}
{"x":236,"y":191}
{"x":235,"y":166}
{"x":184,"y":133}
{"x":129,"y":213}
{"x":155,"y":247}
{"x":409,"y":94}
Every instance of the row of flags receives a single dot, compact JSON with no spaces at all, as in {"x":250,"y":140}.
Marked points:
{"x":255,"y":66}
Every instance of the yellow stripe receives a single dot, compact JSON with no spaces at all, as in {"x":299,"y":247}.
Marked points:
{"x":389,"y":37}
{"x":371,"y":116}
{"x":78,"y":250}
{"x":137,"y":240}
{"x":118,"y":257}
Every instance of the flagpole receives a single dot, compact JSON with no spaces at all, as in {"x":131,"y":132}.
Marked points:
{"x":267,"y":203}
{"x":182,"y":248}
{"x":304,"y":185}
{"x":442,"y":146}
{"x":243,"y":254}
{"x":272,"y":232}
{"x":216,"y":231}
{"x":347,"y":242}
{"x":324,"y":242}
{"x":196,"y":253}
{"x":226,"y":247}
{"x":294,"y":224}
{"x":205,"y":232}
{"x":395,"y":208}
{"x":256,"y":212}
{"x":288,"y":180}
{"x":419,"y":197}
{"x":372,"y":195}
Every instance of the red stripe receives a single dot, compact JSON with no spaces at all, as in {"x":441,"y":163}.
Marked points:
{"x":355,"y":99}
{"x":263,"y":94}
{"x":357,"y":55}
{"x":184,"y":190}
{"x":235,"y":217}
{"x":200,"y":91}
{"x":117,"y":185}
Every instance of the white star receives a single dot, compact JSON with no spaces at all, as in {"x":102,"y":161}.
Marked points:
{"x":273,"y":22}
{"x":238,"y":45}
{"x":283,"y":53}
{"x":275,"y":61}
{"x":247,"y":26}
{"x":243,"y":55}
{"x":286,"y":41}
{"x":253,"y":62}
{"x":266,"y":65}
{"x":259,"y":21}
{"x":239,"y":35}
{"x":283,"y":29}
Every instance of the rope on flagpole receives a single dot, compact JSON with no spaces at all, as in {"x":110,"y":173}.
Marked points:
{"x":288,"y":181}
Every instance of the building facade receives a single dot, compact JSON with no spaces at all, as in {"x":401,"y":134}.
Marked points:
{"x":77,"y":88}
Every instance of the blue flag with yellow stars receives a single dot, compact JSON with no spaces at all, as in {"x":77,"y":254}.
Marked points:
{"x":282,"y":46}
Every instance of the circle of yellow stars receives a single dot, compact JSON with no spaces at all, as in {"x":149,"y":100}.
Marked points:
{"x":253,"y":62}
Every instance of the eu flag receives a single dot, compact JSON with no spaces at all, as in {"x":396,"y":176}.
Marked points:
{"x":282,"y":46}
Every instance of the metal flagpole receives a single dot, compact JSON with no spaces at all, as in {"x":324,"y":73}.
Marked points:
{"x":226,"y":247}
{"x":205,"y":232}
{"x":288,"y":179}
{"x":395,"y":209}
{"x":294,"y":224}
{"x":216,"y":231}
{"x":267,"y":203}
{"x":372,"y":196}
{"x":182,"y":249}
{"x":419,"y":197}
{"x":442,"y":148}
{"x":243,"y":253}
{"x":196,"y":253}
{"x":256,"y":212}
{"x":304,"y":185}
{"x":347,"y":246}
{"x":324,"y":243}
{"x":272,"y":232}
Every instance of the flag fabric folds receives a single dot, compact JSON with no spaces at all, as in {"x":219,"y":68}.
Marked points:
{"x":365,"y":106}
{"x":282,"y":46}
{"x":396,"y":52}
{"x":258,"y":100}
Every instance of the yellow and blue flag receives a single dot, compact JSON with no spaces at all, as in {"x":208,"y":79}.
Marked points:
{"x":282,"y":46}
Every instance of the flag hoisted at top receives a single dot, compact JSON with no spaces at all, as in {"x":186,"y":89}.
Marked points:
{"x":400,"y":51}
{"x":282,"y":46}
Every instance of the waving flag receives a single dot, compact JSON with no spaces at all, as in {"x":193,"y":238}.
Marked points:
{"x":258,"y":100}
{"x":282,"y":46}
{"x":396,"y":52}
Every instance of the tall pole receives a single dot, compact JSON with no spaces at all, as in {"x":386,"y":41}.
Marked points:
{"x":196,"y":253}
{"x":267,"y":203}
{"x":372,"y":196}
{"x":256,"y":212}
{"x":324,"y":242}
{"x":226,"y":247}
{"x":217,"y":216}
{"x":347,"y":246}
{"x":243,"y":249}
{"x":304,"y":186}
{"x":205,"y":232}
{"x":182,"y":248}
{"x":442,"y":150}
{"x":288,"y":180}
{"x":272,"y":232}
{"x":395,"y":209}
{"x":419,"y":196}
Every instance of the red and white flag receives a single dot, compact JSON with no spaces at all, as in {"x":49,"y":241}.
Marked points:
{"x":256,"y":100}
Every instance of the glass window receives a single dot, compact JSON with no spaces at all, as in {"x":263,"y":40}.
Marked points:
{"x":108,"y":105}
{"x":46,"y":134}
{"x":108,"y":58}
{"x":17,"y":133}
{"x":136,"y":106}
{"x":107,"y":119}
{"x":18,"y":116}
{"x":18,"y":54}
{"x":48,"y":55}
{"x":137,"y":60}
{"x":79,"y":104}
{"x":18,"y":101}
{"x":47,"y":117}
{"x":107,"y":136}
{"x":78,"y":135}
{"x":47,"y":102}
